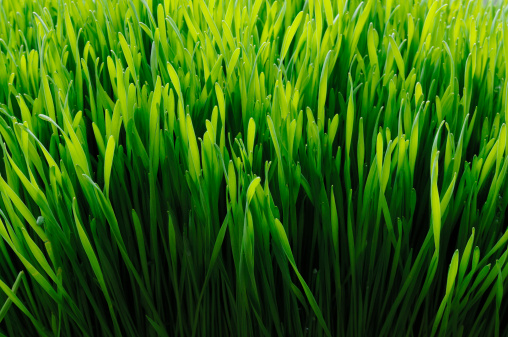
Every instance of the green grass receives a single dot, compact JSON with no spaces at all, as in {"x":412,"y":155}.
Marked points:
{"x":253,"y":168}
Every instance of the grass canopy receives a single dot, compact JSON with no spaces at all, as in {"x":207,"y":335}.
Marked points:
{"x":253,"y":168}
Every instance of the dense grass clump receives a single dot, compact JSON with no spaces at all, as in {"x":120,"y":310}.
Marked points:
{"x":253,"y":168}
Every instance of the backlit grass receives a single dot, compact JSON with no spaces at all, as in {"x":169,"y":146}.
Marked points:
{"x":253,"y":168}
